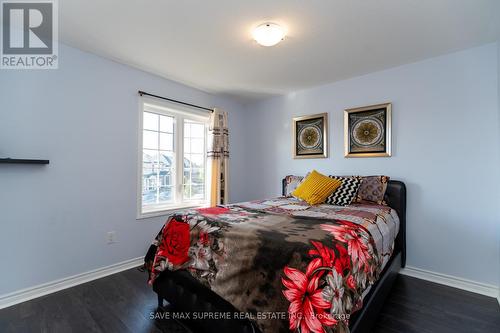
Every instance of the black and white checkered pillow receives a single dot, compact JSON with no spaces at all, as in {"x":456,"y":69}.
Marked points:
{"x":346,"y":193}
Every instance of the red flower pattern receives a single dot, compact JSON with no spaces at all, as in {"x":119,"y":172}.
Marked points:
{"x":176,"y":242}
{"x":319,"y":292}
{"x":356,"y":247}
{"x":351,"y":282}
{"x":328,"y":258}
{"x":307,"y":306}
{"x":203,"y":238}
{"x":343,"y":262}
{"x":326,"y":254}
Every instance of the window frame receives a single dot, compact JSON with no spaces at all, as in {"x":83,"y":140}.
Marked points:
{"x":180,"y":113}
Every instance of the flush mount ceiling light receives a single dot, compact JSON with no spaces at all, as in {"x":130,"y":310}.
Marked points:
{"x":268,"y":34}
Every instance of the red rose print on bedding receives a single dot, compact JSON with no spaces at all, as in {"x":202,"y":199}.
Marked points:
{"x":188,"y":241}
{"x":177,"y":240}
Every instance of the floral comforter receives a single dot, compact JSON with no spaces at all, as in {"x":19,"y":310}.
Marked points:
{"x":306,"y":267}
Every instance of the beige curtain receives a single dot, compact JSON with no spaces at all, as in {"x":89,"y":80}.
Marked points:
{"x":218,"y":155}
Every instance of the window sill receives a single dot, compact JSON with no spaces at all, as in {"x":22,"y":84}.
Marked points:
{"x":168,"y":211}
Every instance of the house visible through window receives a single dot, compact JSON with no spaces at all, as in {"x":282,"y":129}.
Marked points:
{"x":173,"y":164}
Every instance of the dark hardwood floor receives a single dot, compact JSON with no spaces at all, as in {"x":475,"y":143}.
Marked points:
{"x":416,"y":305}
{"x":124,"y":303}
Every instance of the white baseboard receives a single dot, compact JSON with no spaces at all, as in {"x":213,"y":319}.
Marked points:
{"x":24,"y":295}
{"x":453,"y":281}
{"x":27,"y":294}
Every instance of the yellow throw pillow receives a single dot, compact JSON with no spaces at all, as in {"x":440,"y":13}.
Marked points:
{"x":316,"y":188}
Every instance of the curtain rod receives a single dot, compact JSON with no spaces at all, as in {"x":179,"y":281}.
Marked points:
{"x":142,"y":93}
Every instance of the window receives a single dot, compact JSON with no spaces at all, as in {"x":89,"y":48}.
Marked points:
{"x":173,"y":164}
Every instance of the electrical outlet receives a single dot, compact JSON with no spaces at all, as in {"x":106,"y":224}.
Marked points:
{"x":111,"y":237}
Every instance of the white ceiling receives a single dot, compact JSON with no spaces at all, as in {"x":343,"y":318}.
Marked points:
{"x":208,"y":44}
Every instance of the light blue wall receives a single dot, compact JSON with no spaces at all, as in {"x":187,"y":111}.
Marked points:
{"x":83,"y":117}
{"x":498,"y":85}
{"x":445,"y":148}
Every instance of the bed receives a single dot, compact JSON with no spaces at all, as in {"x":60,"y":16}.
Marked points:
{"x":245,"y":292}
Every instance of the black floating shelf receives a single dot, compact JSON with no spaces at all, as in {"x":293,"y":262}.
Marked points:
{"x":23,"y":161}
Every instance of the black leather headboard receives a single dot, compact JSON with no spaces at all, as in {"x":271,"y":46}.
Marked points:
{"x":395,"y":196}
